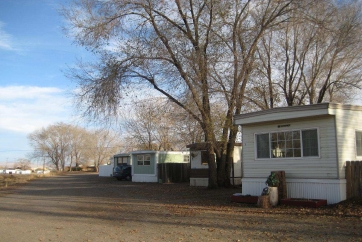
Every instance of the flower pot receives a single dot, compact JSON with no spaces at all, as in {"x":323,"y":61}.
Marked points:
{"x":273,"y":194}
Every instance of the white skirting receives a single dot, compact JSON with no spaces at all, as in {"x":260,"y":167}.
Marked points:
{"x":144,"y":178}
{"x":333,"y":190}
{"x":204,"y":182}
{"x":199,"y":182}
{"x":105,"y":170}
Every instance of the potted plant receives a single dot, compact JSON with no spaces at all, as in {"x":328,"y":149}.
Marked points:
{"x":273,"y":182}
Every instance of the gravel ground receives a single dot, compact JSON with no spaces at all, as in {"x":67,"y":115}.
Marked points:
{"x":85,"y":207}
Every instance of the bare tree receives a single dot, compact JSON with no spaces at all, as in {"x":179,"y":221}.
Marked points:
{"x":312,"y":58}
{"x":77,"y":143}
{"x":62,"y":144}
{"x":202,"y":49}
{"x":23,"y":164}
{"x":101,"y":145}
{"x":53,"y":143}
{"x":157,"y":124}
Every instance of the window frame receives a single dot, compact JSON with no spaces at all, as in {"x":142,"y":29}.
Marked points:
{"x":286,"y":158}
{"x":144,"y":160}
{"x":120,"y":160}
{"x":355,"y":134}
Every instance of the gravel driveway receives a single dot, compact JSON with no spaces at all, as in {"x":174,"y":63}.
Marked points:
{"x":85,"y":207}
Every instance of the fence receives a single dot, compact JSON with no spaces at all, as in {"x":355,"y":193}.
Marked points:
{"x":354,"y":178}
{"x":173,"y":172}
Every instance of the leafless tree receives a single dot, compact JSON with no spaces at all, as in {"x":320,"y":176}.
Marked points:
{"x":77,"y":143}
{"x":60,"y":144}
{"x":23,"y":164}
{"x":157,"y":124}
{"x":52,"y":142}
{"x":202,"y":49}
{"x":314,"y":57}
{"x":101,"y":145}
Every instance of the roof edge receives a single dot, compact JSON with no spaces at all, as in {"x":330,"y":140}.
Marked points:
{"x":319,"y":106}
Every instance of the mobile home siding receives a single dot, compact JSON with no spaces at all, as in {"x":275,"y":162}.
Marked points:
{"x":144,"y":169}
{"x":322,"y":167}
{"x":348,"y":121}
{"x":171,"y":158}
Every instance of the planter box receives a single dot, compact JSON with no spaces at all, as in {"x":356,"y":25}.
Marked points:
{"x":244,"y":199}
{"x":302,"y":202}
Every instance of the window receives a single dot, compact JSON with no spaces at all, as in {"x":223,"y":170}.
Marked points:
{"x":262,"y":144}
{"x":186,"y":158}
{"x":310,"y":142}
{"x":121,"y":160}
{"x":143,"y":160}
{"x":359,"y":143}
{"x":287,"y":144}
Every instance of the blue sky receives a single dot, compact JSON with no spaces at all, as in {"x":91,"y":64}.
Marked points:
{"x":34,"y":52}
{"x":34,"y":92}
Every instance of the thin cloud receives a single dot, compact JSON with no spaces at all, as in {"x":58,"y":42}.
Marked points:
{"x":5,"y":39}
{"x":27,"y":92}
{"x":25,"y":109}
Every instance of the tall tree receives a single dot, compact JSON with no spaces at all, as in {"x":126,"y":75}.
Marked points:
{"x":157,"y":124}
{"x":62,"y":144}
{"x":101,"y":145}
{"x":203,"y":49}
{"x":52,"y":143}
{"x":78,"y":138}
{"x":314,"y":57}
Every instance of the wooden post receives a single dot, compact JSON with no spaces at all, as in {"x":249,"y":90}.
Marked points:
{"x":354,"y":180}
{"x":348,"y":179}
{"x":359,"y":178}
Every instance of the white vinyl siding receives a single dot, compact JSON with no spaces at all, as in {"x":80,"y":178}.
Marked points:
{"x":347,"y":122}
{"x":324,"y":166}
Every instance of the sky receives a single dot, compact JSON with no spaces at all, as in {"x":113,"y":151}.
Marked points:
{"x":34,"y":53}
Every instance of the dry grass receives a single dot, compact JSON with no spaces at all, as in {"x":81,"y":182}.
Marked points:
{"x":7,"y":180}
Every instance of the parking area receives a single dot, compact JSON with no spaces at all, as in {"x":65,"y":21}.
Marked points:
{"x":85,"y":207}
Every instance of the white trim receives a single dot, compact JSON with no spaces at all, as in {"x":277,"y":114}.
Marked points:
{"x":292,"y":112}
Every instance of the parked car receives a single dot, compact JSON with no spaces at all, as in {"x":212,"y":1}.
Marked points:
{"x":123,"y":172}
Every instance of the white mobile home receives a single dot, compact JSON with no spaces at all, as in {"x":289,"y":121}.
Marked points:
{"x":310,"y":143}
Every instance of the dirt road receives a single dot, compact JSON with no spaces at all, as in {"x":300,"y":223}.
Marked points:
{"x":84,"y":207}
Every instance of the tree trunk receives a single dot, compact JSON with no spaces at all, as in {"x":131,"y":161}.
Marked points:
{"x":220,"y":160}
{"x":212,"y":168}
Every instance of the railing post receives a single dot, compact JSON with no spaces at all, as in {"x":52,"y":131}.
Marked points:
{"x":348,"y":179}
